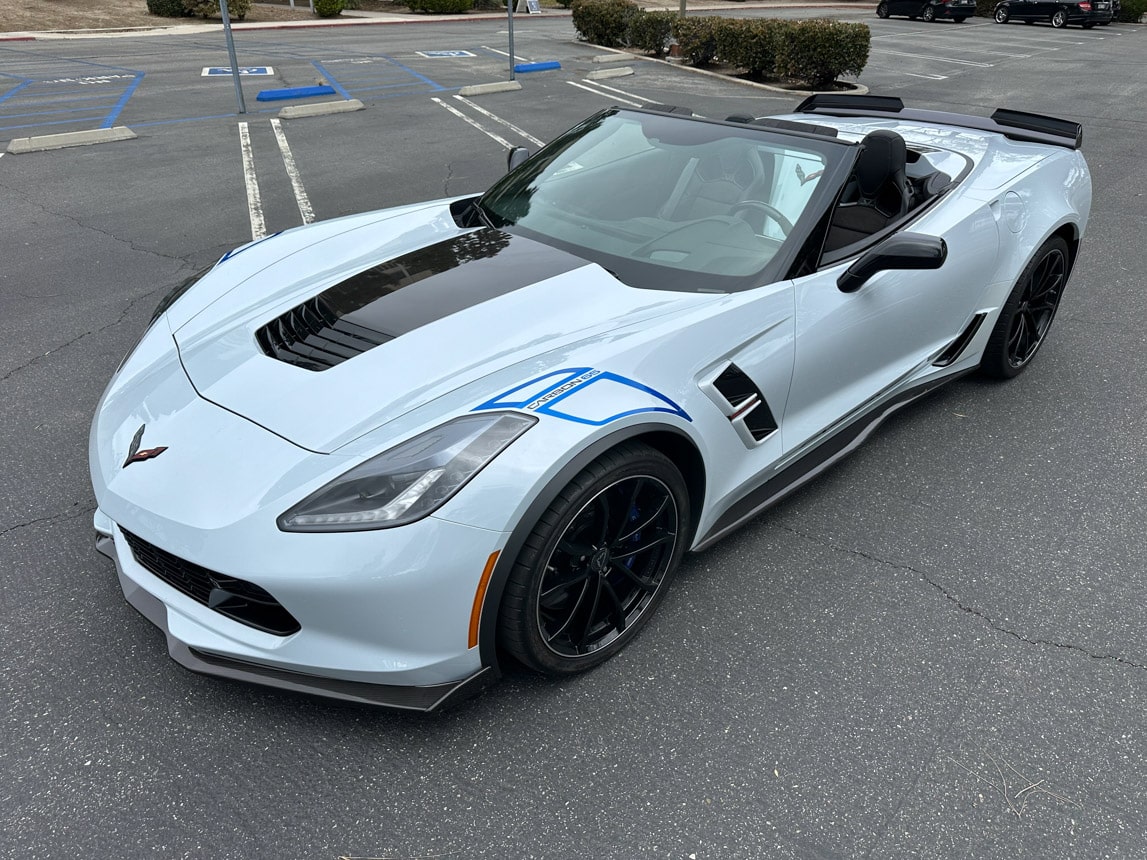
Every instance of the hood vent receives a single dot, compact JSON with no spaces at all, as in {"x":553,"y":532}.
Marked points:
{"x":314,"y":337}
{"x":750,"y":410}
{"x":386,"y":301}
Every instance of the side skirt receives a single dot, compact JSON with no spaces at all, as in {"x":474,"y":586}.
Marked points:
{"x":833,"y":448}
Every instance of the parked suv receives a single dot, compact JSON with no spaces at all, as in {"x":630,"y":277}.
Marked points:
{"x":929,"y":10}
{"x":1059,"y":13}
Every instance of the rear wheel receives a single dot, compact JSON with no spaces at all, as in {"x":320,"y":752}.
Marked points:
{"x":929,"y":14}
{"x":1027,"y":314}
{"x":597,"y":563}
{"x":1002,"y":15}
{"x":882,"y":10}
{"x":1059,"y":19}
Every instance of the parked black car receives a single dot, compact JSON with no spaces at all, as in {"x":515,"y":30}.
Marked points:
{"x":1059,"y":13}
{"x":929,"y":10}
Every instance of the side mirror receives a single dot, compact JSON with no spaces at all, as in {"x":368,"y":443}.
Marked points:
{"x":517,"y":155}
{"x":900,"y":251}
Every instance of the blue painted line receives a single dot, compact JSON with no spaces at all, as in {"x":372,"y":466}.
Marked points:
{"x":199,"y":118}
{"x":34,"y":101}
{"x":119,"y":106}
{"x":437,"y":86}
{"x":386,"y":87}
{"x":50,"y":112}
{"x":55,"y":62}
{"x":331,"y":78}
{"x":13,"y":91}
{"x":546,"y":66}
{"x":43,"y":124}
{"x":293,"y":93}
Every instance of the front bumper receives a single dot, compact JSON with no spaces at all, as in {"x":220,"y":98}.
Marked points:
{"x":212,"y":656}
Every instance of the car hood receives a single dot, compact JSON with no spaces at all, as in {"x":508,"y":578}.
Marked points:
{"x":324,"y":341}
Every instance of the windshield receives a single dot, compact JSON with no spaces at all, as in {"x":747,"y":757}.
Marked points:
{"x":664,"y":201}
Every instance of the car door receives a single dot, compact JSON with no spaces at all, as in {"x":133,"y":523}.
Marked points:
{"x":851,"y":348}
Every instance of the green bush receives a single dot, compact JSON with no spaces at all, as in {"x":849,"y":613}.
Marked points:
{"x":565,"y":4}
{"x":818,"y":51}
{"x":1132,"y":11}
{"x":751,"y":44}
{"x":604,"y":22}
{"x":650,"y":31}
{"x":329,"y":8}
{"x":236,"y":9}
{"x":440,"y":7}
{"x":697,"y":38}
{"x":986,"y":8}
{"x":166,"y":8}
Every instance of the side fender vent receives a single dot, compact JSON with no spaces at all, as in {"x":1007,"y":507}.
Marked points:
{"x":956,"y":348}
{"x":749,"y":409}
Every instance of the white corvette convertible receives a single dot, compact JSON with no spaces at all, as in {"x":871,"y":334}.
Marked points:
{"x":374,"y":457}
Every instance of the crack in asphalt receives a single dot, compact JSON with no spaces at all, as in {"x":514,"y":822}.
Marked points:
{"x":955,"y":601}
{"x":449,"y":176}
{"x":62,"y":516}
{"x":38,"y":358}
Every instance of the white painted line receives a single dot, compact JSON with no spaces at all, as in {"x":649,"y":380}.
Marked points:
{"x":254,"y":199}
{"x":621,"y":92}
{"x":603,"y":95}
{"x":301,"y":198}
{"x":473,"y":122}
{"x":929,"y":77}
{"x":517,"y":59}
{"x":504,"y":122}
{"x":936,"y":59}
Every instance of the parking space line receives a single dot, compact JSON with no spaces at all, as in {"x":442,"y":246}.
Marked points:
{"x":473,"y":122}
{"x":602,"y":86}
{"x":517,"y":59}
{"x":330,"y":79}
{"x":45,"y":124}
{"x":301,"y":198}
{"x":119,"y":105}
{"x":935,"y":59}
{"x":254,"y":199}
{"x":498,"y":119}
{"x":603,"y":95}
{"x":926,"y":76}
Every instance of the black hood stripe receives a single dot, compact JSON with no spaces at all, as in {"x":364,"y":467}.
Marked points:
{"x":375,"y":306}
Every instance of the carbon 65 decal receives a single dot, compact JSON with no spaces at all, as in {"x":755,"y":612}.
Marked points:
{"x":586,"y":395}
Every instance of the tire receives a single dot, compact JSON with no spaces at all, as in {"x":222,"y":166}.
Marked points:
{"x":1002,"y":15}
{"x":1028,"y":313}
{"x":929,"y":14}
{"x":1059,"y":19}
{"x":597,"y":563}
{"x":882,"y":10}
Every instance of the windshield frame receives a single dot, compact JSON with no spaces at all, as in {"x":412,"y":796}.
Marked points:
{"x":838,"y":154}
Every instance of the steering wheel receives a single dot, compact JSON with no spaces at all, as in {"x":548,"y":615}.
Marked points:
{"x":766,"y":209}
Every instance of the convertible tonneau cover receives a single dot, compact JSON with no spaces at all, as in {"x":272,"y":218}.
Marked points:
{"x":1014,"y":124}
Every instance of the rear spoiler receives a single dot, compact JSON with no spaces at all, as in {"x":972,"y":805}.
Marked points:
{"x":1013,"y":124}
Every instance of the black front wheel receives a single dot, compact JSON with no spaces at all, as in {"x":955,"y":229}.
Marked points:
{"x":1059,"y":19}
{"x":1027,"y":314}
{"x":929,"y":14}
{"x":1002,"y":15}
{"x":882,"y":10}
{"x":597,"y":563}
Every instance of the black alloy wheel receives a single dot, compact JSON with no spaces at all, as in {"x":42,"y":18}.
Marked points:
{"x":1059,"y":19}
{"x":882,"y":10}
{"x":1028,"y":313}
{"x":929,"y":14}
{"x":597,"y":563}
{"x":1002,"y":15}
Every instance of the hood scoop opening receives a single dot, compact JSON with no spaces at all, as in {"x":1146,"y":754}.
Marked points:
{"x":373,"y":306}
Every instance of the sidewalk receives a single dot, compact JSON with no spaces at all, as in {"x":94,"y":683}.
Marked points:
{"x":358,"y":17}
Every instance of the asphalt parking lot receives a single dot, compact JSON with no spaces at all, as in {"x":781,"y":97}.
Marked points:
{"x":936,"y":650}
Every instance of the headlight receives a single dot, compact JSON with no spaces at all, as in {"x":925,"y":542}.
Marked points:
{"x":410,"y":481}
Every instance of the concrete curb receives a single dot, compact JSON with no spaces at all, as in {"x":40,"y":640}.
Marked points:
{"x":72,"y":138}
{"x":321,"y":109}
{"x":600,"y":74}
{"x":482,"y":89}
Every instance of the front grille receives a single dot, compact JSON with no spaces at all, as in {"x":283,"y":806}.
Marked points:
{"x":314,"y":337}
{"x":237,"y":599}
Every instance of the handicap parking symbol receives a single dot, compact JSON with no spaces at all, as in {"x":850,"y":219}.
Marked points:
{"x":216,"y":71}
